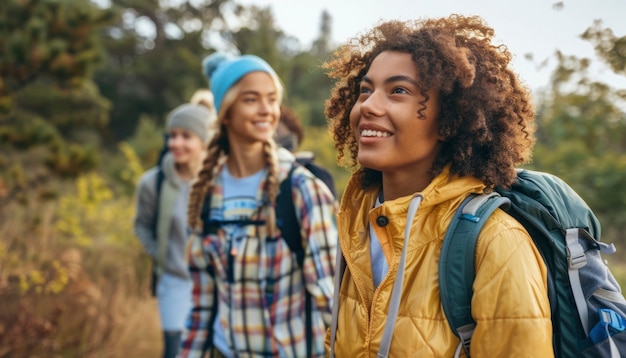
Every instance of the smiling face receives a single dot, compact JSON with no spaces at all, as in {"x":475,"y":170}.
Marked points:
{"x":253,"y":116}
{"x":394,"y":124}
{"x":186,"y":146}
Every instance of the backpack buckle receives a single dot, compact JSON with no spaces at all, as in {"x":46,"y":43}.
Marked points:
{"x":577,"y":261}
{"x":575,"y":251}
{"x":610,"y":323}
{"x":465,"y":335}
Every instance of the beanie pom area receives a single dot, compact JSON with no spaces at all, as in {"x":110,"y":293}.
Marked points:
{"x":212,"y":62}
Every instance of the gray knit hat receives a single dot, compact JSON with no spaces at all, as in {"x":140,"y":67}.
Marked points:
{"x":192,"y":117}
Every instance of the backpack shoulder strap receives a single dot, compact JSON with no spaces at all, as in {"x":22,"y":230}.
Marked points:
{"x":160,"y":177}
{"x":456,"y":262}
{"x":290,"y":231}
{"x":205,"y":213}
{"x":324,"y":175}
{"x":287,"y":220}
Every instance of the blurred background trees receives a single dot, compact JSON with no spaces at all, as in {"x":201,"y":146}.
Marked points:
{"x":582,"y":130}
{"x":51,"y":111}
{"x":85,"y":86}
{"x":78,"y":77}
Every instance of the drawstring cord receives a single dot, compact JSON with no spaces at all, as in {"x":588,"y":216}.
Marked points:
{"x":385,"y":343}
{"x":396,"y":294}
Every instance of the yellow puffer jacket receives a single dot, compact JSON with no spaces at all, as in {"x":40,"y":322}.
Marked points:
{"x":510,"y":303}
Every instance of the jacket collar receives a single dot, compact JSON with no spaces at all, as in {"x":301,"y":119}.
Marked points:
{"x":442,"y":188}
{"x":359,"y":204}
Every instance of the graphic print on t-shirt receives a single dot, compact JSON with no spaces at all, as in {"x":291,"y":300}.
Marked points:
{"x":239,"y":210}
{"x":239,"y":203}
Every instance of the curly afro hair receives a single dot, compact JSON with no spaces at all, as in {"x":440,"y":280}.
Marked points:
{"x":486,"y":115}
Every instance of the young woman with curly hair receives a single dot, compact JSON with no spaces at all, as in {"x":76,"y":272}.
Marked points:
{"x":426,"y":113}
{"x":249,"y":287}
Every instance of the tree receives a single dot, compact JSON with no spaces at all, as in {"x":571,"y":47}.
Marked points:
{"x":610,"y":48}
{"x":322,"y":45}
{"x":310,"y":86}
{"x":153,"y":58}
{"x":582,"y":129}
{"x":50,"y":110}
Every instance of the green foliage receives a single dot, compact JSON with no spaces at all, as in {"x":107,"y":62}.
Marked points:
{"x":147,"y":141}
{"x":319,"y":141}
{"x":70,"y":110}
{"x":309,"y":87}
{"x":51,"y":115}
{"x":609,"y":47}
{"x":582,"y":131}
{"x":134,"y":156}
{"x":21,"y":129}
{"x":150,"y":73}
{"x":260,"y":37}
{"x":54,"y":37}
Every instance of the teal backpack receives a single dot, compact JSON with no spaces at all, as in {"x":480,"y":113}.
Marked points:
{"x":587,"y":305}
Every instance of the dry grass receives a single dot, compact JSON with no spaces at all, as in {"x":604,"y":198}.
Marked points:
{"x":140,"y":336}
{"x":74,"y":283}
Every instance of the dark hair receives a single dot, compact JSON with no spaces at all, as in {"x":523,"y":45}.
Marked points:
{"x":486,"y":114}
{"x":291,"y":121}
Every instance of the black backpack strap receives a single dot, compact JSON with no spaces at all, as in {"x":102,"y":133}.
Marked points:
{"x":287,"y":220}
{"x":324,"y":175}
{"x":159,"y":181}
{"x":290,"y":231}
{"x":160,"y":177}
{"x":456,"y":262}
{"x":159,"y":184}
{"x":204,"y":215}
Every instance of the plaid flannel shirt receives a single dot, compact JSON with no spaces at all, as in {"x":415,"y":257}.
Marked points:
{"x":259,"y":287}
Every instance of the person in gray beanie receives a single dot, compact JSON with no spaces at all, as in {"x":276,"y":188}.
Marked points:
{"x":161,"y":214}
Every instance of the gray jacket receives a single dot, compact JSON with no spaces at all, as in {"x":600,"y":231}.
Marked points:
{"x":167,"y":245}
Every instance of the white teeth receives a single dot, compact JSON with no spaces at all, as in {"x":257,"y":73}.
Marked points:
{"x":262,"y":124}
{"x":373,"y":133}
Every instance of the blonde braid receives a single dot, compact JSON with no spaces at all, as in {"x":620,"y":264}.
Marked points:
{"x":271,"y":155}
{"x":203,"y":184}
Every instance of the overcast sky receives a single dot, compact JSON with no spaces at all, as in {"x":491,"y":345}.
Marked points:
{"x":525,"y":26}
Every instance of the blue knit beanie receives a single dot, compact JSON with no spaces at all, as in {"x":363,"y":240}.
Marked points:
{"x":224,"y":71}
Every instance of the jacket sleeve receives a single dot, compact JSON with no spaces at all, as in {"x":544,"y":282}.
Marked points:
{"x":510,"y":302}
{"x":145,"y":213}
{"x":316,"y":209}
{"x":196,"y":337}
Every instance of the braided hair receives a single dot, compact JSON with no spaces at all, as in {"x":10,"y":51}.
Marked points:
{"x":217,"y":154}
